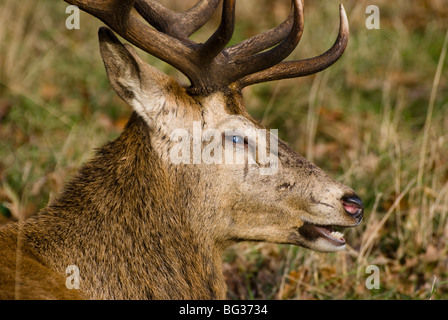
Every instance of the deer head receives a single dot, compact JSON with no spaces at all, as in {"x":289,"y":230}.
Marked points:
{"x":297,"y":203}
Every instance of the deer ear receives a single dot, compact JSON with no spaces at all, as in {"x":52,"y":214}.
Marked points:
{"x":131,"y":77}
{"x":122,"y":68}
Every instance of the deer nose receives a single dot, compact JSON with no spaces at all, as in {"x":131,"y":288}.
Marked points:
{"x":353,"y":206}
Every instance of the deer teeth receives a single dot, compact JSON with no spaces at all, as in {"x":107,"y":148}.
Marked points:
{"x":337,"y":235}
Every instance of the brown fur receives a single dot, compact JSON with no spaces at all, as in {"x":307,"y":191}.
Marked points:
{"x":108,"y":222}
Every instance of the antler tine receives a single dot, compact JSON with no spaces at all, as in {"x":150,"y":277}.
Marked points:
{"x":156,"y":15}
{"x":105,"y":10}
{"x":179,"y":25}
{"x":217,"y":42}
{"x":261,"y":41}
{"x":294,"y":69}
{"x":262,"y":60}
{"x":198,"y":15}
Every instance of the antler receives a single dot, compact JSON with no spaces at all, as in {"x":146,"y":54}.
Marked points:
{"x":178,"y":25}
{"x":301,"y":68}
{"x":210,"y":66}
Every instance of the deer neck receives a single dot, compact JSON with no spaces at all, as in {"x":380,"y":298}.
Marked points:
{"x":125,"y":222}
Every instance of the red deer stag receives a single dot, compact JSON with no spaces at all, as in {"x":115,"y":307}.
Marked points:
{"x":138,"y":226}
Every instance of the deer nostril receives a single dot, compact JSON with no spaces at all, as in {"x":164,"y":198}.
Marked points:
{"x":353,"y":205}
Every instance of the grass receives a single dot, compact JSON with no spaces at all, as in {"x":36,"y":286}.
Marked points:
{"x":376,"y":121}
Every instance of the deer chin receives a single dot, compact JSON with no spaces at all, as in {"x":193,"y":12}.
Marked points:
{"x":324,"y":238}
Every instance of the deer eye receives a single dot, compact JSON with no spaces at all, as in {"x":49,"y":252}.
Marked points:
{"x":238,"y":140}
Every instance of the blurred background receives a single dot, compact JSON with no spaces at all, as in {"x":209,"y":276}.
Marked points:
{"x":376,"y":120}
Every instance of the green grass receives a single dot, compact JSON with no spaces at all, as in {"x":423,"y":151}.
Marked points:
{"x":369,"y":121}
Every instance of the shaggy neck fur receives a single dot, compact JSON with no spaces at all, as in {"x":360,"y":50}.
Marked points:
{"x":125,"y":221}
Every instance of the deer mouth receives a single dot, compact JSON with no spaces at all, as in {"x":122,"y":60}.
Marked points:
{"x":328,"y":234}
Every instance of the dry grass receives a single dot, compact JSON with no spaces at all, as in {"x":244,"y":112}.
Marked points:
{"x":376,"y":120}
